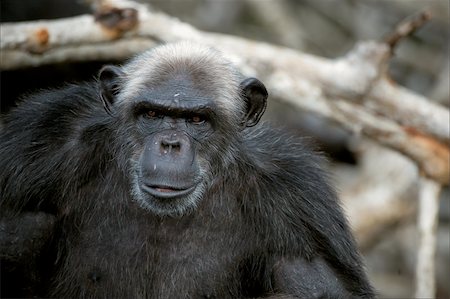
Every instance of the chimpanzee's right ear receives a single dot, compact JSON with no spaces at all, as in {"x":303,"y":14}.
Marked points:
{"x":255,"y":96}
{"x":109,"y":83}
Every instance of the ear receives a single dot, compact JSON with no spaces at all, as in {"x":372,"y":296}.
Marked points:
{"x":109,"y":78}
{"x":255,"y":96}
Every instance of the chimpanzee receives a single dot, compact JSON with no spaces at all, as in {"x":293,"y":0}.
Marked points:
{"x":156,"y":182}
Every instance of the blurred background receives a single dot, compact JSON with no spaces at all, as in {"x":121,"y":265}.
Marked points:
{"x":363,"y":171}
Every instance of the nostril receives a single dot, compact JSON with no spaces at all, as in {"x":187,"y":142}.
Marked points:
{"x":168,"y":146}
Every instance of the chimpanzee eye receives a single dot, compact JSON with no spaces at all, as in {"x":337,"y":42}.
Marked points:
{"x":197,"y":119}
{"x":151,"y":114}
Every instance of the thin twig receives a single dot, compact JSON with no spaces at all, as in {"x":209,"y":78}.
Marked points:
{"x":406,"y":28}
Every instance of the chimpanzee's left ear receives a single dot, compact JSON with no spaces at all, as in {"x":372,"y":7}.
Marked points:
{"x":109,"y":83}
{"x":255,"y":96}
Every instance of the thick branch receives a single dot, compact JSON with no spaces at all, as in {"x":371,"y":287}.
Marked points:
{"x":351,"y":90}
{"x":431,"y":156}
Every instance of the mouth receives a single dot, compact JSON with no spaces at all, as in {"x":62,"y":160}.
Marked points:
{"x":167,"y":192}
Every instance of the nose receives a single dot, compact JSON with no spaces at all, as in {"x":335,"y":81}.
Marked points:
{"x":170,"y":144}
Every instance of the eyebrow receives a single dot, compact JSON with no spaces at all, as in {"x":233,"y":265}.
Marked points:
{"x":181,"y":109}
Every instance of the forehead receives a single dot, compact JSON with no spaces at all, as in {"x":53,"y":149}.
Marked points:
{"x":185,"y":69}
{"x":182,"y":82}
{"x":181,"y":90}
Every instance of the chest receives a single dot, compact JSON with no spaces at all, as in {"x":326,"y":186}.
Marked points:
{"x":137,"y":257}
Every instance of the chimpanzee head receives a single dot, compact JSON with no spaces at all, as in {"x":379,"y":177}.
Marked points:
{"x":182,"y":108}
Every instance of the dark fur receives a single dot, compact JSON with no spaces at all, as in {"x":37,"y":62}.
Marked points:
{"x":268,"y":223}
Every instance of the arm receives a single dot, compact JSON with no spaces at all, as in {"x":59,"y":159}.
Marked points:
{"x":313,"y":253}
{"x":307,"y":279}
{"x":33,"y":146}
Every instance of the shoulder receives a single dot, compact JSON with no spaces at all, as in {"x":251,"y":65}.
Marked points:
{"x":47,"y":125}
{"x":276,"y":152}
{"x":47,"y":101}
{"x":50,"y":111}
{"x":37,"y":140}
{"x":290,"y":185}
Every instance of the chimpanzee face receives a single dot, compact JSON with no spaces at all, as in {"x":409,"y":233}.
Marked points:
{"x":181,"y":119}
{"x":173,"y":120}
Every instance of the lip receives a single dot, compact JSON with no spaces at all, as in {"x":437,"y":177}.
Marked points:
{"x":167,"y":192}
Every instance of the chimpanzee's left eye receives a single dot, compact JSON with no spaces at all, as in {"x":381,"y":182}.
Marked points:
{"x":197,"y":119}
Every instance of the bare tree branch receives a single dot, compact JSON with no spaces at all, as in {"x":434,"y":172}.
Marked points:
{"x":427,"y":225}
